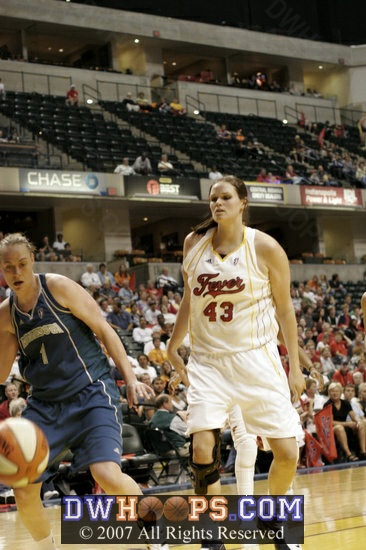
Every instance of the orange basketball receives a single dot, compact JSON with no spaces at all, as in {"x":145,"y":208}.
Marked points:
{"x":24,"y":452}
{"x":150,"y":508}
{"x":176,"y":509}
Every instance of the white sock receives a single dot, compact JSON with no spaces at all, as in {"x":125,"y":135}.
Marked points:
{"x":47,"y":544}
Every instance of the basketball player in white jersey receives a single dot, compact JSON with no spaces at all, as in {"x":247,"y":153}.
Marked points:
{"x":237,"y":283}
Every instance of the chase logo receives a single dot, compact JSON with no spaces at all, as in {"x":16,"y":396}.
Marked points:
{"x":91,"y":181}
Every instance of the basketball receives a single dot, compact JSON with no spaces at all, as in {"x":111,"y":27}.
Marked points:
{"x":24,"y":452}
{"x":176,"y":509}
{"x":150,"y":508}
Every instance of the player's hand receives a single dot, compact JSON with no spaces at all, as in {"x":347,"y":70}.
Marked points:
{"x":138,"y":390}
{"x":179,"y":366}
{"x":174,"y":382}
{"x":318,"y":377}
{"x":296,"y":382}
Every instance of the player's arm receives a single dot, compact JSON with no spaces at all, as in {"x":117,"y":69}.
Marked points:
{"x":305,"y":363}
{"x":70,"y":295}
{"x":8,"y":342}
{"x":181,"y":323}
{"x":272,"y":257}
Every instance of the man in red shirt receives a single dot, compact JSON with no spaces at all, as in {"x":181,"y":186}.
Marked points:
{"x":11,"y":392}
{"x":338,"y":346}
{"x":343,"y":376}
{"x":72,"y":96}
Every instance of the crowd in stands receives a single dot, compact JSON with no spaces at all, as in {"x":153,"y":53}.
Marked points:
{"x":330,"y":330}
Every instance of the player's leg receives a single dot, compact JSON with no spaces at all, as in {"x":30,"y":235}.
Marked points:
{"x":283,"y":467}
{"x":246,"y":448}
{"x":34,"y":516}
{"x":112,"y":480}
{"x":205,"y":462}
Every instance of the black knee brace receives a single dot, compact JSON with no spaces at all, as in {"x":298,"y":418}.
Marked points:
{"x":203,"y":475}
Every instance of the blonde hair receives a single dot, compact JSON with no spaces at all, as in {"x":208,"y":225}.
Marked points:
{"x":333,"y":386}
{"x":12,"y":239}
{"x":17,"y":406}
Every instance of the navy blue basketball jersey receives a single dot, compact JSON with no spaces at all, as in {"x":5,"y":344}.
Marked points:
{"x":59,"y":353}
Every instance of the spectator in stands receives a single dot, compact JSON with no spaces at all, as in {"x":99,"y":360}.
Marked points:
{"x":144,"y":367}
{"x":126,"y":294}
{"x":90,"y":280}
{"x":361,"y":172}
{"x":166,"y":282}
{"x":152,"y":291}
{"x":157,"y":355}
{"x":335,"y":284}
{"x":119,"y":318}
{"x":11,"y":393}
{"x":104,"y":275}
{"x":298,"y":149}
{"x":72,"y":97}
{"x":144,"y":103}
{"x":223,"y":133}
{"x":152,"y":314}
{"x":342,"y":427}
{"x":121,"y":275}
{"x":215,"y":174}
{"x":164,"y":106}
{"x":3,"y":139}
{"x":66,"y":255}
{"x":130,"y":104}
{"x":104,"y":307}
{"x":124,"y":169}
{"x":349,"y":394}
{"x":59,"y":243}
{"x":2,"y":90}
{"x":291,"y":176}
{"x":338,"y":347}
{"x":142,"y":165}
{"x":343,"y":375}
{"x":142,"y":333}
{"x":172,"y":424}
{"x":45,"y":252}
{"x":176,"y":108}
{"x":166,"y":167}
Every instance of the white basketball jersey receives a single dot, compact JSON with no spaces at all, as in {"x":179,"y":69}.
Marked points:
{"x":232,"y":308}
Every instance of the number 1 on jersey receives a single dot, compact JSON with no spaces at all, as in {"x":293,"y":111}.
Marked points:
{"x":210,"y":311}
{"x":44,"y":355}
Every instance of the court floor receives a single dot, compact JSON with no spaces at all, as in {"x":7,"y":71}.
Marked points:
{"x":335,"y":514}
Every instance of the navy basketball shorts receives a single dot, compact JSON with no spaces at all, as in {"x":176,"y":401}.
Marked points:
{"x":88,"y":424}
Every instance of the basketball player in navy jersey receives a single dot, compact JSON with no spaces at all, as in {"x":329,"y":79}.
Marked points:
{"x":237,"y":285}
{"x":53,"y":321}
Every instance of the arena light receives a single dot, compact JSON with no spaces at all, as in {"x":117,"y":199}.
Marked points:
{"x":196,"y":112}
{"x":89,"y":101}
{"x":137,"y":41}
{"x":320,"y":67}
{"x":285,"y":121}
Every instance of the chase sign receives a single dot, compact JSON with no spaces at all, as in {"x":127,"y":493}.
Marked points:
{"x":62,"y":182}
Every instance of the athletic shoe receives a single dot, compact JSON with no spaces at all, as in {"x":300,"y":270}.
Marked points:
{"x":50,"y":495}
{"x":7,"y":497}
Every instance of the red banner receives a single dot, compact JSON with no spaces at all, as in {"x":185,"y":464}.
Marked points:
{"x":313,"y":451}
{"x":323,"y":421}
{"x":330,"y":196}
